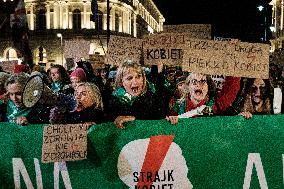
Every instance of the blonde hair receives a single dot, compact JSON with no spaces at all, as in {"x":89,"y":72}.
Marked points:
{"x":95,"y":94}
{"x":125,"y":67}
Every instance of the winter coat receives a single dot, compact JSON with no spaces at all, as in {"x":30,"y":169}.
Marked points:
{"x":90,"y":114}
{"x":218,"y":104}
{"x":148,"y":106}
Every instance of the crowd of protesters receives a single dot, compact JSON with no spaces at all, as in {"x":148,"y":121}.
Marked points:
{"x":131,"y":91}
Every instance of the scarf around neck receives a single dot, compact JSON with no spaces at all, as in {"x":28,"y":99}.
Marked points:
{"x":13,"y":111}
{"x":126,"y":98}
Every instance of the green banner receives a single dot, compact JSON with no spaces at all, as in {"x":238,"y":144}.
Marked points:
{"x":204,"y":153}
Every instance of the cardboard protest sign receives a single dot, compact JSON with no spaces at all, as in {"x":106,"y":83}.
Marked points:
{"x":200,"y":31}
{"x":164,"y":48}
{"x":97,"y":61}
{"x":8,"y":66}
{"x":76,"y":49}
{"x":226,"y":58}
{"x":232,"y":40}
{"x":64,"y":143}
{"x":121,"y":49}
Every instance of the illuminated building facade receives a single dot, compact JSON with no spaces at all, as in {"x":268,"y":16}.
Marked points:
{"x":71,"y":20}
{"x":277,"y":27}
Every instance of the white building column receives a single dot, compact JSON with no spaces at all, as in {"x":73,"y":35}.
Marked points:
{"x":32,"y":23}
{"x":61,"y":16}
{"x":65,"y":18}
{"x":129,"y":22}
{"x":281,"y":17}
{"x":84,"y":16}
{"x":48,"y":16}
{"x":134,"y":25}
{"x":55,"y":15}
{"x":275,"y":16}
{"x":120,"y":24}
{"x":113,"y":19}
{"x":70,"y":25}
{"x":104,"y":21}
{"x":125,"y":22}
{"x":88,"y":16}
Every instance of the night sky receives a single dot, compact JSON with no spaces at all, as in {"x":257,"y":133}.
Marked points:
{"x":229,"y":18}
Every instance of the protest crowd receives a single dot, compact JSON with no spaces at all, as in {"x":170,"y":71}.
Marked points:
{"x":131,"y":91}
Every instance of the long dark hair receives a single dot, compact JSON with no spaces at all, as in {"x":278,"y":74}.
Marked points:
{"x":267,"y":97}
{"x":65,"y":79}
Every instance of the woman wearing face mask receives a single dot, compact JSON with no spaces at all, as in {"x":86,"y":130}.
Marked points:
{"x":89,"y":108}
{"x":258,"y":98}
{"x":134,"y":97}
{"x":201,"y":91}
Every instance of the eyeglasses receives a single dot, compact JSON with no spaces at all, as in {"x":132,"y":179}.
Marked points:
{"x":196,"y":82}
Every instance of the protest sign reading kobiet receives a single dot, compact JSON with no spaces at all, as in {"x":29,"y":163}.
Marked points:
{"x":163,"y":48}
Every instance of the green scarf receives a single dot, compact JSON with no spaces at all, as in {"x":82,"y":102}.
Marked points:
{"x":56,"y":86}
{"x":180,"y":106}
{"x":208,"y":109}
{"x":13,"y":111}
{"x":126,"y":98}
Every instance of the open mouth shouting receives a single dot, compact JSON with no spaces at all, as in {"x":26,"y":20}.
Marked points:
{"x":257,"y":98}
{"x":198,"y":92}
{"x":135,"y":91}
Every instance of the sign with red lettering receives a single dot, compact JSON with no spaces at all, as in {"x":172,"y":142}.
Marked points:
{"x":228,"y":58}
{"x":64,"y":143}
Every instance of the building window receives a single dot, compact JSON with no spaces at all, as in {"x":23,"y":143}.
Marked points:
{"x":41,"y":20}
{"x":40,"y":55}
{"x":11,"y":54}
{"x":99,"y":24}
{"x":116,"y":22}
{"x":77,"y":19}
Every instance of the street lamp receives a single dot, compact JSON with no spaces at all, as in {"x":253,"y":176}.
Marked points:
{"x":61,"y":45}
{"x":260,"y":8}
{"x":263,"y":9}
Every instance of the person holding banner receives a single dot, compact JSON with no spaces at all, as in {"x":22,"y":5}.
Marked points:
{"x":135,"y":97}
{"x":258,"y":98}
{"x":89,"y":108}
{"x":202,"y":98}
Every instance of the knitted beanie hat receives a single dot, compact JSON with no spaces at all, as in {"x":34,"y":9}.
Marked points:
{"x":80,"y":73}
